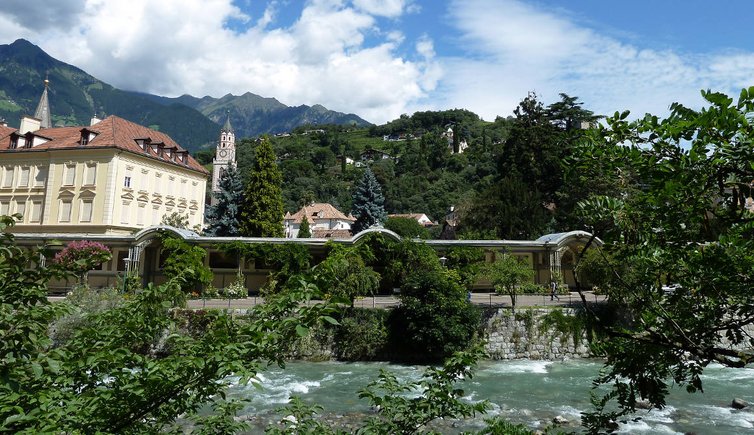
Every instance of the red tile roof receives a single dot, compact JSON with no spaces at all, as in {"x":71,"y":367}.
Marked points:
{"x":313,"y":211}
{"x":110,"y":132}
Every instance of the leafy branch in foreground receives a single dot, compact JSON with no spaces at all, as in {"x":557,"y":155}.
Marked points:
{"x":678,"y":248}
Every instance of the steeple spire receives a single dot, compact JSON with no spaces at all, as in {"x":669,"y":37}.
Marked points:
{"x":227,"y":128}
{"x":43,"y":108}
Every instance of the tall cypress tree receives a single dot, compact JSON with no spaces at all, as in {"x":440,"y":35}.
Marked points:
{"x":223,"y":217}
{"x":368,"y":203}
{"x":262,"y":212}
{"x":304,"y":232}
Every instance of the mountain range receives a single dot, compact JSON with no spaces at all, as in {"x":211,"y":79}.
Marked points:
{"x":193,"y":122}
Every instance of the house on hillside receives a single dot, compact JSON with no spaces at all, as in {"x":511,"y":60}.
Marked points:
{"x":422,"y":218}
{"x":110,"y":177}
{"x":325,"y":222}
{"x":372,"y":155}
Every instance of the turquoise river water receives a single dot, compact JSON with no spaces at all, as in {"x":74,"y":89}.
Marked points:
{"x":528,"y":392}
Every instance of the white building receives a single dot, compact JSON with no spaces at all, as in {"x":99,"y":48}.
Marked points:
{"x":325,"y":221}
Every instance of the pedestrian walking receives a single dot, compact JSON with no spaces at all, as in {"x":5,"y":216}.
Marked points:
{"x":554,"y":291}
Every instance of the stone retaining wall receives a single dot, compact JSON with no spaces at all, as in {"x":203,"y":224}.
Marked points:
{"x":527,"y":335}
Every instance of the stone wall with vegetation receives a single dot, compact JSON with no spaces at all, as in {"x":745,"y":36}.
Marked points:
{"x":537,"y":334}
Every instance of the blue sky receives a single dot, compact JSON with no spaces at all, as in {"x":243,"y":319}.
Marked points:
{"x":382,"y":58}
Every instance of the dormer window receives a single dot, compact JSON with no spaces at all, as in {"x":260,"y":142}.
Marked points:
{"x":13,"y":142}
{"x":28,"y":141}
{"x":86,"y":136}
{"x":143,"y":143}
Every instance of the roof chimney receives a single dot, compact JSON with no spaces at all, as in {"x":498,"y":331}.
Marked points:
{"x":94,"y":120}
{"x":29,"y":124}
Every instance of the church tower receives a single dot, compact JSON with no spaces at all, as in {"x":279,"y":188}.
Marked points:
{"x":225,"y":155}
{"x":43,"y":109}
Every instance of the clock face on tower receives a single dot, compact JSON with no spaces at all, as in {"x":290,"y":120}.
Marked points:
{"x":223,"y":153}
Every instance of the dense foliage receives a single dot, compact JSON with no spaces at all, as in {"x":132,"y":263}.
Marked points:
{"x":182,"y":259}
{"x":127,"y":368}
{"x":509,"y":181}
{"x":406,"y":227}
{"x":262,"y":212}
{"x":223,"y":217}
{"x":679,"y":242}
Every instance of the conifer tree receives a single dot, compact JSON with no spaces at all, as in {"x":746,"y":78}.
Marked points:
{"x":303,"y":231}
{"x":262,"y":212}
{"x":368,"y":203}
{"x":223,"y":217}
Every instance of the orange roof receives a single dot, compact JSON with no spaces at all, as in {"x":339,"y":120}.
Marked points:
{"x":111,"y":132}
{"x":318,"y":210}
{"x":5,"y":132}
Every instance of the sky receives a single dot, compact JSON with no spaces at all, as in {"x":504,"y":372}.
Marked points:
{"x":383,"y":58}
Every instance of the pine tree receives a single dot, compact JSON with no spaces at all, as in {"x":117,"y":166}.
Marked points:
{"x":223,"y":217}
{"x":303,"y":231}
{"x":368,"y":203}
{"x":262,"y":213}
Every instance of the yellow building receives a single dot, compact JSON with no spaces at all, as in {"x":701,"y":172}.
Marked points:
{"x":112,"y":177}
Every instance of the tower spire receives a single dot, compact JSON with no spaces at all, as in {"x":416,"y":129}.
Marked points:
{"x":227,"y":128}
{"x":43,"y":108}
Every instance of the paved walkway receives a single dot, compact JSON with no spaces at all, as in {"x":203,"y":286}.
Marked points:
{"x":490,"y":299}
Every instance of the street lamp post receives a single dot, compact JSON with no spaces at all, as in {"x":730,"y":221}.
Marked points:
{"x":127,"y":262}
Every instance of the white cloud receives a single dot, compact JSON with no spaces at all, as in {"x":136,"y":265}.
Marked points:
{"x":172,"y":47}
{"x":385,"y":8}
{"x":514,"y":47}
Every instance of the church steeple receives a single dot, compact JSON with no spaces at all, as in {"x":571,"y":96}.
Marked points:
{"x":43,"y":108}
{"x":227,"y":128}
{"x":225,"y":155}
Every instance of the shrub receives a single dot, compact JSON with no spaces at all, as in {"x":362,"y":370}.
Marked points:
{"x":79,"y":257}
{"x":434,"y":318}
{"x":362,"y":335}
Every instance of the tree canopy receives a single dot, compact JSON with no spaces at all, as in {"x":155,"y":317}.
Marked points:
{"x":262,"y":212}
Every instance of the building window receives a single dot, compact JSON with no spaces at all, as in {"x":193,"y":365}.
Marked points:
{"x":23,"y":179}
{"x":90,"y":176}
{"x":140,"y":215}
{"x":36,"y":211}
{"x":125,"y":212}
{"x":65,"y":210}
{"x":70,"y":175}
{"x":13,"y":142}
{"x":40,"y":177}
{"x":84,"y":137}
{"x":4,"y":208}
{"x":86,"y":210}
{"x":8,"y":176}
{"x":127,"y":181}
{"x":21,"y":209}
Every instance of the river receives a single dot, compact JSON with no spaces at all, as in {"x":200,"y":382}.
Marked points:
{"x":528,"y":392}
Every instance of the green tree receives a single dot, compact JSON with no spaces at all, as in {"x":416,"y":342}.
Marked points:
{"x":368,"y":203}
{"x":344,"y":275}
{"x":223,"y":217}
{"x":262,"y":213}
{"x":175,"y":219}
{"x":406,"y":227}
{"x":186,"y":261}
{"x":121,"y":372}
{"x":686,"y":226}
{"x":507,"y":273}
{"x":304,"y":232}
{"x":434,"y":318}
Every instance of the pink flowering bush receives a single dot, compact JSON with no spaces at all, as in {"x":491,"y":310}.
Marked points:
{"x":80,"y":257}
